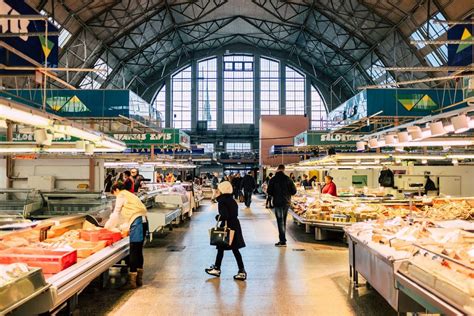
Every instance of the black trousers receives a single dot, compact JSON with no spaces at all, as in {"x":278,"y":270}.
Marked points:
{"x":237,"y":255}
{"x":247,"y":198}
{"x":135,"y":258}
{"x":281,"y":215}
{"x":268,"y":202}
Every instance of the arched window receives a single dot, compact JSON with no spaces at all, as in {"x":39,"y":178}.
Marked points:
{"x":295,"y":84}
{"x":269,"y":87}
{"x":160,"y":105}
{"x":319,"y":113}
{"x":181,"y":99}
{"x":238,"y":89}
{"x":207,"y":92}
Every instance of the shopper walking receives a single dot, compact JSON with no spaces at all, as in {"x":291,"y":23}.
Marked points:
{"x":281,"y":188}
{"x":329,"y":187}
{"x":130,"y":212}
{"x":305,"y":182}
{"x":236,"y":182}
{"x":248,"y":185}
{"x":214,"y":183}
{"x":228,"y":215}
{"x":268,"y":200}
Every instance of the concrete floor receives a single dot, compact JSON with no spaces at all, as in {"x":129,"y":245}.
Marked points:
{"x":306,"y":278}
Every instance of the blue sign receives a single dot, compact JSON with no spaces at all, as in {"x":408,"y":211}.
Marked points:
{"x":37,"y":47}
{"x":461,"y":54}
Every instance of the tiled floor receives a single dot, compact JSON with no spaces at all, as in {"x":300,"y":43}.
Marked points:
{"x":281,"y":281}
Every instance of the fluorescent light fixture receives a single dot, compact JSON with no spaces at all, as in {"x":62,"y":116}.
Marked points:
{"x":437,"y":129}
{"x":81,"y":145}
{"x":41,"y":136}
{"x":373,"y":143}
{"x":449,"y":128}
{"x":403,"y":137}
{"x":460,"y":123}
{"x":437,"y":143}
{"x":418,"y":157}
{"x":426,"y":132}
{"x":360,"y":146}
{"x":89,"y":149}
{"x":3,"y":124}
{"x":460,"y":156}
{"x":424,"y":161}
{"x":455,"y":162}
{"x":82,"y":134}
{"x":23,"y":117}
{"x":390,"y":139}
{"x":415,"y":133}
{"x":360,"y":156}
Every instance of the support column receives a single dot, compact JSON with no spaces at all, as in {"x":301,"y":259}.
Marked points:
{"x":10,"y":162}
{"x":194,"y":95}
{"x":168,"y":99}
{"x":307,"y":100}
{"x":256,"y":93}
{"x":220,"y":93}
{"x":91,"y":174}
{"x":282,"y":87}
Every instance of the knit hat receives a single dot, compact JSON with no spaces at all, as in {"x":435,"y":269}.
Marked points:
{"x":225,"y":187}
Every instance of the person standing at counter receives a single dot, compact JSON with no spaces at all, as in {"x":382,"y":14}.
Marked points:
{"x":128,"y":181}
{"x":137,"y":179}
{"x":130,"y":212}
{"x":281,"y":188}
{"x":329,"y":187}
{"x":386,"y":178}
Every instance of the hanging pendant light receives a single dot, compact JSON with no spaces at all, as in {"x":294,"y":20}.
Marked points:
{"x":460,"y":123}
{"x":415,"y":133}
{"x":437,"y":129}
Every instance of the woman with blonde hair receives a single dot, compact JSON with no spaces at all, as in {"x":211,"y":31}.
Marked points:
{"x":228,"y":215}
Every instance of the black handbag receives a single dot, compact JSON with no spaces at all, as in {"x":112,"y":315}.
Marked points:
{"x":221,"y":236}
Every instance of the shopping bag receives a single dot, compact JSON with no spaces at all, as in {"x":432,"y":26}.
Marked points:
{"x":221,"y":236}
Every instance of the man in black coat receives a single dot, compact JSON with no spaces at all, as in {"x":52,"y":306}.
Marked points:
{"x":236,"y":182}
{"x":248,"y":185}
{"x":386,"y":178}
{"x":281,"y":188}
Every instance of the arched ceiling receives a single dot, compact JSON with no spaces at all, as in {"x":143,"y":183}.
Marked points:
{"x":339,"y":39}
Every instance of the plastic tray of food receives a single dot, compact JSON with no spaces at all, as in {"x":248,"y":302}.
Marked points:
{"x":101,"y":234}
{"x":51,"y":261}
{"x":88,"y":248}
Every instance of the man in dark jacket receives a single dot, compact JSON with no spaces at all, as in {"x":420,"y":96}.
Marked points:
{"x":236,"y":182}
{"x":386,"y":178}
{"x":137,"y":179}
{"x":248,"y":185}
{"x":281,"y":188}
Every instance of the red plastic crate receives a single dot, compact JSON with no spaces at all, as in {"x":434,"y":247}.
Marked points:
{"x":50,"y":261}
{"x":101,"y":234}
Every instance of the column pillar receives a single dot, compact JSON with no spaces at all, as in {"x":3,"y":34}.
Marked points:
{"x":220,"y":93}
{"x":282,"y":87}
{"x":256,"y":93}
{"x":194,"y":95}
{"x":168,"y":100}
{"x":307,"y":100}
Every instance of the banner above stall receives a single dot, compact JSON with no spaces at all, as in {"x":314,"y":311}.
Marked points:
{"x":32,"y":38}
{"x":168,"y":138}
{"x":310,"y":138}
{"x":389,"y":106}
{"x":461,"y":54}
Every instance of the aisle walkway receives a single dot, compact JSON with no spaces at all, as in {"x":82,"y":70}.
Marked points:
{"x":306,"y":278}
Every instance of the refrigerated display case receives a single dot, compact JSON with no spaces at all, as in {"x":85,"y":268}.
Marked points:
{"x":17,"y":204}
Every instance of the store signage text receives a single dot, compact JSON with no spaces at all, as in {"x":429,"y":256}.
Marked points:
{"x":339,"y":138}
{"x":143,"y":137}
{"x":13,"y":25}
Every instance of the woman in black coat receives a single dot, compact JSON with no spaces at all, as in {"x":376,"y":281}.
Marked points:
{"x":228,"y":212}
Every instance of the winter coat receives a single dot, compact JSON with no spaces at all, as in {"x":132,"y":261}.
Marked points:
{"x":229,"y":211}
{"x":248,"y":183}
{"x":386,"y":178}
{"x":236,"y":183}
{"x":281,"y":188}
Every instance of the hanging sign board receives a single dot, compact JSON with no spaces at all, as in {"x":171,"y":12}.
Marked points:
{"x":461,"y":54}
{"x":37,"y":47}
{"x":323,"y":139}
{"x":168,"y":137}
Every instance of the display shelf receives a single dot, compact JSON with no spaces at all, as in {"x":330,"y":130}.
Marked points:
{"x":379,"y":271}
{"x":19,"y":203}
{"x":21,"y":290}
{"x":159,"y":218}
